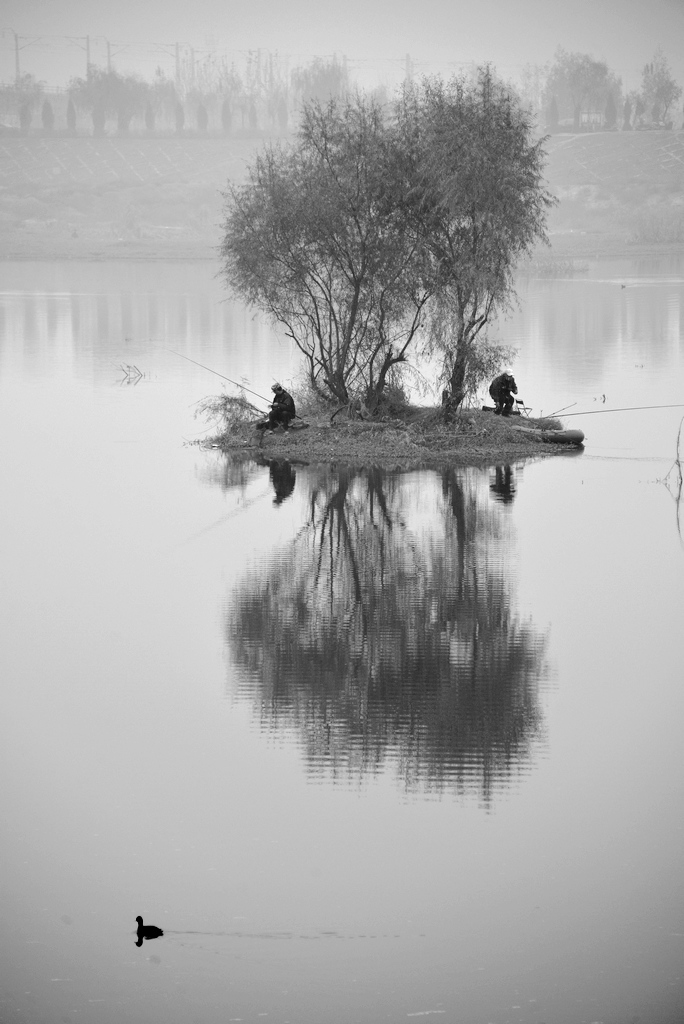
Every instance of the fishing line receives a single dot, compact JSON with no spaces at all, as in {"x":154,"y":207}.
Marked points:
{"x":241,"y":386}
{"x":629,"y":408}
{"x":559,"y":411}
{"x":223,"y":376}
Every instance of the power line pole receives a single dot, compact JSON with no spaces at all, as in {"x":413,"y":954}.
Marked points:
{"x":27,"y":41}
{"x":83,"y":42}
{"x":17,"y":68}
{"x":112,"y":50}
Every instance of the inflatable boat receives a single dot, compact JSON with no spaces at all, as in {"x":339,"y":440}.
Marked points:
{"x":574,"y":437}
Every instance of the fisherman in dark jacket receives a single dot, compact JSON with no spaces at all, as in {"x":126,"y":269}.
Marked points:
{"x":502,"y":390}
{"x":282,"y":409}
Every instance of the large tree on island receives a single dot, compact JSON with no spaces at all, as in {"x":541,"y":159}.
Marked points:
{"x":379,"y":228}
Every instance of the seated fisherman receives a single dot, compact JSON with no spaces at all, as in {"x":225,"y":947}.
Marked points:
{"x":502,"y":390}
{"x":282,"y":409}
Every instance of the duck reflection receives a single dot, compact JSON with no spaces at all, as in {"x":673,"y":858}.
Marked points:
{"x":147,"y":931}
{"x":381,"y":642}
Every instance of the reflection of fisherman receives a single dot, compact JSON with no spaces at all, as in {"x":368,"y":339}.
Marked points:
{"x":503,"y":484}
{"x":283,"y":479}
{"x":502,"y":390}
{"x":282,"y":410}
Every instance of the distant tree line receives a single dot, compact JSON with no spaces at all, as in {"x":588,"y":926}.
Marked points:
{"x":576,"y":92}
{"x":579,"y":93}
{"x":216,"y":100}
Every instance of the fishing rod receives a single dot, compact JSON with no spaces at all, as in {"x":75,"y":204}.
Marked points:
{"x":559,"y":411}
{"x":629,"y":408}
{"x":242,"y":386}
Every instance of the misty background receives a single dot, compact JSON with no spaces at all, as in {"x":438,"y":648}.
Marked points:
{"x":373,"y":36}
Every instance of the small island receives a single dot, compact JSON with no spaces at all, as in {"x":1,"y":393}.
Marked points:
{"x":382,"y":240}
{"x":405,"y":437}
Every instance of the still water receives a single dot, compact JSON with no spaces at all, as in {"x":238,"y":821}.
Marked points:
{"x":367,"y":746}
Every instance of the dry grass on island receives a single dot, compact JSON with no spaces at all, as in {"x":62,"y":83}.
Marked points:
{"x":405,"y":436}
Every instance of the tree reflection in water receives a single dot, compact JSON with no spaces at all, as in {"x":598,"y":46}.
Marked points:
{"x":385,"y":644}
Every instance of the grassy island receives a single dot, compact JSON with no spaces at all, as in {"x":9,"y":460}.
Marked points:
{"x":409,"y":437}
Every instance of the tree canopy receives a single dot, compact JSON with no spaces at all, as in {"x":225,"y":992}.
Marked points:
{"x":107,"y":93}
{"x":481,"y":201}
{"x":580,"y":83}
{"x":386,"y":227}
{"x":659,"y":90}
{"x":317,"y":239}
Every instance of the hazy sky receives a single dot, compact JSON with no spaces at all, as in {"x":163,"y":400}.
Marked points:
{"x":374,"y":34}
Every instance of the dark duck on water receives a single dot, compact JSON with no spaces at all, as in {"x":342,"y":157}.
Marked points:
{"x":147,"y":931}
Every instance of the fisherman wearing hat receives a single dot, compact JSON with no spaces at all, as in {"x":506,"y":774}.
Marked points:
{"x":502,"y":390}
{"x":282,"y":409}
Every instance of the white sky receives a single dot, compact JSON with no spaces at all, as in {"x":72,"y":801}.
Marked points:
{"x":374,"y":34}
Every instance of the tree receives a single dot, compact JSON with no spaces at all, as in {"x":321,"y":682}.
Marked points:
{"x":531,"y":90}
{"x":149,"y":117}
{"x":25,"y":115}
{"x":552,"y":115}
{"x":99,"y":115}
{"x":321,"y":81}
{"x":179,"y":115}
{"x":282,"y":113}
{"x":610,"y":114}
{"x":479,"y":195}
{"x":21,"y":98}
{"x":131,"y":97}
{"x":71,"y":116}
{"x":162,"y":97}
{"x":107,"y":94}
{"x":659,"y":90}
{"x":319,"y":239}
{"x":579,"y":81}
{"x":202,"y":118}
{"x":226,"y":116}
{"x":627,"y":116}
{"x":376,"y":230}
{"x":47,"y":115}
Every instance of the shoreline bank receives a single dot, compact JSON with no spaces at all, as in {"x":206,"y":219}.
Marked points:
{"x":563,"y":250}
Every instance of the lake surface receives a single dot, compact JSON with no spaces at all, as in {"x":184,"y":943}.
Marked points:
{"x":367,"y":746}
